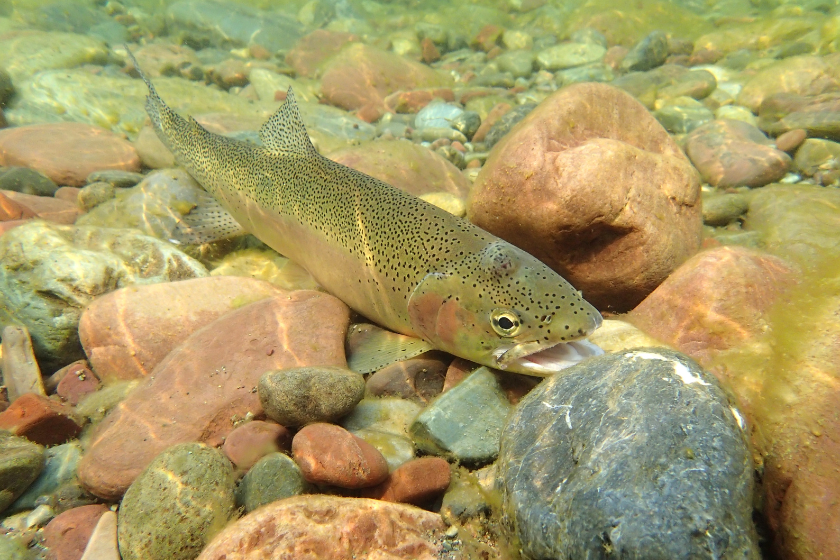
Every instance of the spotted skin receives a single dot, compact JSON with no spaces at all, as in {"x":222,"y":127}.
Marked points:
{"x":396,"y":259}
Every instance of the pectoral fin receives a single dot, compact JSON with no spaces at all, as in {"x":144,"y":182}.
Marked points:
{"x":370,"y":348}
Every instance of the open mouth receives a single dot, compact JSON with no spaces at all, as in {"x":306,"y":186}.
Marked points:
{"x":534,"y":359}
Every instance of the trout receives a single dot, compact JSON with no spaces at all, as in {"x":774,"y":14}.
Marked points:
{"x":399,"y":261}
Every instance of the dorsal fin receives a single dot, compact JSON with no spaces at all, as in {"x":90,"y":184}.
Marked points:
{"x":285,"y":131}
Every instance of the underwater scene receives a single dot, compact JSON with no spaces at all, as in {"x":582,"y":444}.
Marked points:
{"x":415,"y":279}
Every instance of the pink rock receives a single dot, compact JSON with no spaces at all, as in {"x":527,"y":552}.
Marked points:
{"x":78,"y":382}
{"x":457,"y":371}
{"x":67,"y":535}
{"x":248,"y":443}
{"x":591,"y":184}
{"x":11,"y":210}
{"x":732,"y":153}
{"x":416,"y":482}
{"x":66,"y":152}
{"x":790,"y":140}
{"x":329,"y":454}
{"x":127,"y":332}
{"x":312,"y":50}
{"x":68,"y":194}
{"x":405,"y":165}
{"x":414,"y":100}
{"x":361,"y":76}
{"x":321,"y":527}
{"x":47,"y":208}
{"x":39,"y":419}
{"x":487,"y":37}
{"x":204,"y":386}
{"x":496,"y":113}
{"x":419,"y":379}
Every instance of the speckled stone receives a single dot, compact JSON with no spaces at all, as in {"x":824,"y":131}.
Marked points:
{"x":299,"y":396}
{"x":274,"y":477}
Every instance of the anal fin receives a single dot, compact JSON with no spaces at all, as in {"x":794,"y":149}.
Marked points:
{"x":206,"y":222}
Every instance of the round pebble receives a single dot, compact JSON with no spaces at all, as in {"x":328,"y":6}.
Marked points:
{"x":247,"y":443}
{"x":790,"y":140}
{"x":274,"y":477}
{"x":329,"y":454}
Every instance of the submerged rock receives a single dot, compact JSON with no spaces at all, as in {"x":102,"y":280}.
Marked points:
{"x":21,"y":461}
{"x":636,"y":454}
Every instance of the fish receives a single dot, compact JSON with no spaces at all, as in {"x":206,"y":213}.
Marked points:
{"x":399,"y":261}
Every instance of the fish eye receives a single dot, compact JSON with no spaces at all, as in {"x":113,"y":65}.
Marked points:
{"x":505,"y":322}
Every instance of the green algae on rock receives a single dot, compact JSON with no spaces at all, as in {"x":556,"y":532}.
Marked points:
{"x":21,"y":461}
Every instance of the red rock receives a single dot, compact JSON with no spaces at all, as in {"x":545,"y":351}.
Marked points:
{"x":371,"y":112}
{"x":321,"y":527}
{"x":66,"y":152}
{"x":67,"y":535}
{"x":127,"y":332}
{"x":405,"y":165}
{"x":429,"y":52}
{"x":362,"y":75}
{"x":329,"y":454}
{"x":615,"y":55}
{"x":68,"y":194}
{"x":416,"y":482}
{"x":487,"y":37}
{"x":419,"y":379}
{"x":414,"y":100}
{"x":732,"y":153}
{"x":457,"y":371}
{"x":46,"y":207}
{"x":591,"y":184}
{"x":250,"y":442}
{"x":39,"y":419}
{"x":11,"y":210}
{"x":78,"y":382}
{"x":496,"y":113}
{"x":790,"y":140}
{"x":206,"y":384}
{"x":312,"y":50}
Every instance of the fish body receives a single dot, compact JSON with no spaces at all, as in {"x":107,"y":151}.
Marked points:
{"x":394,"y":258}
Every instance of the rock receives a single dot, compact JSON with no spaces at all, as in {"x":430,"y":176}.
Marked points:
{"x":647,"y":54}
{"x":177,"y":504}
{"x":597,"y":72}
{"x":117,"y":178}
{"x":815,"y":154}
{"x":446,"y":201}
{"x":390,"y":415}
{"x":13,"y":548}
{"x":487,"y":38}
{"x":755,"y":34}
{"x":26,"y":181}
{"x":577,"y":482}
{"x":94,"y":194}
{"x":102,"y":544}
{"x":67,"y":152}
{"x":790,"y":140}
{"x":396,"y":449}
{"x":801,"y":75}
{"x":77,"y":383}
{"x":464,"y":423}
{"x":209,"y":382}
{"x":733,"y":153}
{"x":11,"y":210}
{"x":300,"y":396}
{"x":405,"y":165}
{"x":414,"y":100}
{"x":697,"y":84}
{"x":437,"y":114}
{"x":274,"y":477}
{"x":568,"y":55}
{"x":92,"y":261}
{"x":313,"y":49}
{"x":25,"y":54}
{"x":736,"y":113}
{"x":682,"y":115}
{"x":21,"y":461}
{"x":248,"y":443}
{"x":615,"y":336}
{"x":67,"y":535}
{"x":39,"y":419}
{"x":60,"y":466}
{"x":415,"y":482}
{"x":68,"y":194}
{"x":817,"y":115}
{"x":554,"y":162}
{"x":506,"y":122}
{"x":97,"y":405}
{"x":722,"y":209}
{"x":126,"y":333}
{"x":265,"y":264}
{"x":270,"y":85}
{"x":21,"y":373}
{"x":419,"y":379}
{"x":47,"y":208}
{"x":152,"y":152}
{"x":361,"y":76}
{"x":337,"y":528}
{"x":329,"y":454}
{"x":519,"y":63}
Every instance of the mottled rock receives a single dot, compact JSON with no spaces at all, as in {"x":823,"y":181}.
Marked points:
{"x":299,"y":396}
{"x":21,"y":461}
{"x":614,"y":336}
{"x":94,"y":194}
{"x":209,"y":382}
{"x":68,"y":152}
{"x":329,"y":454}
{"x":274,"y":477}
{"x":553,"y":164}
{"x":637,"y":452}
{"x":60,"y":466}
{"x":265,"y":264}
{"x":331,"y":528}
{"x":696,"y":84}
{"x":67,"y":535}
{"x":92,"y":261}
{"x":27,"y":181}
{"x":127,"y":332}
{"x":464,"y":423}
{"x":21,"y":373}
{"x":39,"y":419}
{"x":405,"y":165}
{"x":415,"y":482}
{"x":801,"y":75}
{"x":733,"y":153}
{"x":647,"y":54}
{"x":420,"y":379}
{"x":77,"y":382}
{"x":756,"y":34}
{"x":248,"y":443}
{"x":177,"y":504}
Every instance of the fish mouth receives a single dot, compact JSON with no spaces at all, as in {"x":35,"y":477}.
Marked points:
{"x":534,"y":358}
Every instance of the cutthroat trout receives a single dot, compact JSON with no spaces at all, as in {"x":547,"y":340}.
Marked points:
{"x":398,"y":260}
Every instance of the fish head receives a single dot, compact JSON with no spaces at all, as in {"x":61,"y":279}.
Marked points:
{"x":503,"y":308}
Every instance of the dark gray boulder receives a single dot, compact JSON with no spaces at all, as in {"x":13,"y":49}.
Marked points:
{"x":632,"y":455}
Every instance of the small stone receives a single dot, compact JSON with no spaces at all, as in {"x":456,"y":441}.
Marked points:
{"x":152,"y":152}
{"x":683,"y":115}
{"x":487,"y":37}
{"x":390,"y":415}
{"x":647,"y":54}
{"x":299,"y":396}
{"x":67,"y":535}
{"x":519,"y":63}
{"x":39,"y":419}
{"x":248,"y":443}
{"x":77,"y":382}
{"x":723,"y":209}
{"x":47,"y":208}
{"x":26,"y":181}
{"x":102,"y":544}
{"x":274,"y":477}
{"x":439,"y":115}
{"x":395,"y":448}
{"x":464,"y":423}
{"x":415,"y":482}
{"x":21,"y":374}
{"x":790,"y":140}
{"x":568,"y":55}
{"x":11,"y":210}
{"x":115,"y":177}
{"x":816,"y":154}
{"x":177,"y":504}
{"x":60,"y":466}
{"x":94,"y":194}
{"x":329,"y":454}
{"x":68,"y":194}
{"x":736,"y":113}
{"x":429,"y":52}
{"x":419,"y":379}
{"x":21,"y":461}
